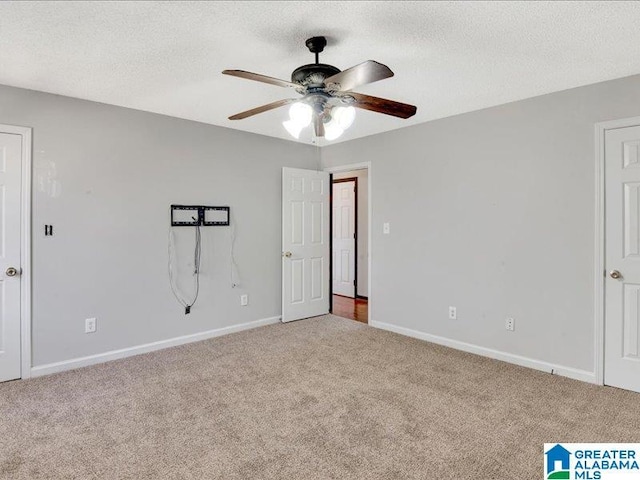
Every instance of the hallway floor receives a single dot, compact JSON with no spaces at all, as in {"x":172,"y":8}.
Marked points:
{"x":353,"y":308}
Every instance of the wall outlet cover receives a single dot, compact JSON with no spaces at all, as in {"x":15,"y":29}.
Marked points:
{"x":510,"y":324}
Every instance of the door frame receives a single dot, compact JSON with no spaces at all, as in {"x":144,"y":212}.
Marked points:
{"x":601,"y":129}
{"x":25,"y":247}
{"x":357,"y":233}
{"x":347,"y":168}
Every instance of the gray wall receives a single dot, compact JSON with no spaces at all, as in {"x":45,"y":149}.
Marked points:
{"x":104,"y":177}
{"x":492,"y":212}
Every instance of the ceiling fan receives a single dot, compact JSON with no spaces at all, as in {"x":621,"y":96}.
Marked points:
{"x":327,"y":97}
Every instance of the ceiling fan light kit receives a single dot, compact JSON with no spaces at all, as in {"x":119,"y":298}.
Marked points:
{"x":332,"y":131}
{"x":301,"y":113}
{"x":293,"y":128}
{"x":344,"y":116}
{"x":327,"y":98}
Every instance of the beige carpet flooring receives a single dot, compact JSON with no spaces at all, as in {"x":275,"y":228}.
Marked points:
{"x":316,"y":399}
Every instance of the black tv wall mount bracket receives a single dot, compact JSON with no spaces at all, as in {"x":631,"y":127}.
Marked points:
{"x":199,"y":216}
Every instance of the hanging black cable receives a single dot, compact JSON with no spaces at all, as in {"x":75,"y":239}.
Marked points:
{"x":196,"y":270}
{"x":220,"y":217}
{"x":196,"y":262}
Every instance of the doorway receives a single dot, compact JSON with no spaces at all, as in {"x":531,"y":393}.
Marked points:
{"x":350,"y":244}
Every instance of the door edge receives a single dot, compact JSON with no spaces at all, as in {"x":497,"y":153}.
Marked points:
{"x":25,"y":245}
{"x":601,"y":129}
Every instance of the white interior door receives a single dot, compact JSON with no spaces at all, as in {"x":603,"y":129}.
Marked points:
{"x":344,"y":238}
{"x":622,"y":258}
{"x":305,"y":243}
{"x":10,"y":268}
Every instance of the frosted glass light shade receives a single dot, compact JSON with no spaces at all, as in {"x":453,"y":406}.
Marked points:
{"x":300,"y":113}
{"x":293,"y":128}
{"x":344,"y":116}
{"x":332,"y":130}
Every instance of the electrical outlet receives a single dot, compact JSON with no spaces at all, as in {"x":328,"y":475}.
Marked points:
{"x":453,"y":313}
{"x":386,"y":228}
{"x":244,"y":300}
{"x":90,"y":325}
{"x":510,"y":324}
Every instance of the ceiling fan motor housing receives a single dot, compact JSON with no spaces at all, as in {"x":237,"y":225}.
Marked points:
{"x":313,"y":75}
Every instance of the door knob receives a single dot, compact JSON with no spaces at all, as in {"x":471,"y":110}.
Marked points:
{"x":11,"y":272}
{"x":286,"y":254}
{"x":615,"y":274}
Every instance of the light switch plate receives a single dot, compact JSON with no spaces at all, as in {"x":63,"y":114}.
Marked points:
{"x":386,"y":228}
{"x":90,"y":325}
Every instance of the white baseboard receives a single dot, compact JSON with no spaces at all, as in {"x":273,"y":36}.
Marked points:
{"x":569,"y":372}
{"x":147,"y":347}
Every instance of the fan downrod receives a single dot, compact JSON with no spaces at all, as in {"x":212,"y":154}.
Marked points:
{"x":316,"y":45}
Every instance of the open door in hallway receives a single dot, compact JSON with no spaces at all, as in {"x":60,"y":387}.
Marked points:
{"x":350,"y":244}
{"x":344,"y":236}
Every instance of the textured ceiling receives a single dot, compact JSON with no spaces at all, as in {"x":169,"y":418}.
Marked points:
{"x":448,"y":57}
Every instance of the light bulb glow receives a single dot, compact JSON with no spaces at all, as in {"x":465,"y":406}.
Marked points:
{"x":344,"y":116}
{"x":293,"y":128}
{"x":300,"y":113}
{"x":332,"y":130}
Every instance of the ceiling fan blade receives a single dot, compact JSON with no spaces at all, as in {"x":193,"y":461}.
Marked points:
{"x":366,"y":72}
{"x":261,"y":78}
{"x":382,"y":105}
{"x":318,"y":126}
{"x":263,"y":108}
